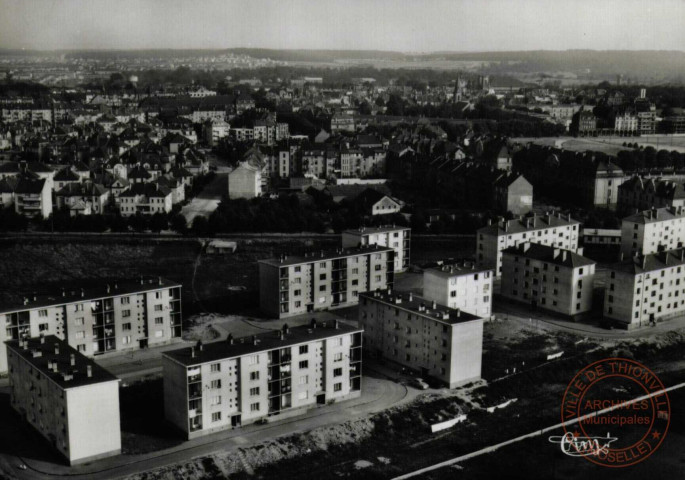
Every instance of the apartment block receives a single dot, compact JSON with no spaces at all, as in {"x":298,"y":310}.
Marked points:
{"x":437,"y":341}
{"x":293,"y":285}
{"x":552,"y":229}
{"x":398,"y":238}
{"x":226,"y":384}
{"x":653,"y":230}
{"x":549,"y":278}
{"x":124,"y":315}
{"x":645,"y":289}
{"x":461,"y":286}
{"x":68,"y":399}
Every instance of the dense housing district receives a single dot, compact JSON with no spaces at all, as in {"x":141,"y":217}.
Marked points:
{"x":537,"y":216}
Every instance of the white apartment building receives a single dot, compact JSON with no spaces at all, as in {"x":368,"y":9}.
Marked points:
{"x":293,"y":285}
{"x":118,"y":317}
{"x":245,"y":182}
{"x":437,"y":341}
{"x":145,"y":198}
{"x":398,"y":238}
{"x":68,"y":399}
{"x":653,"y":230}
{"x":553,"y":229}
{"x":460,"y":286}
{"x":645,"y":289}
{"x":548,"y":278}
{"x":226,"y":384}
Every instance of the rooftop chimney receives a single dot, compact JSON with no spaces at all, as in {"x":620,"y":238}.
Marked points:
{"x":83,"y":294}
{"x":108,"y":288}
{"x":312,"y":324}
{"x":89,"y":370}
{"x":192,"y":352}
{"x":411,"y":297}
{"x":42,"y":338}
{"x":254,"y":339}
{"x":56,"y":348}
{"x":72,"y":360}
{"x":433,"y":305}
{"x":229,"y":339}
{"x":160,"y":280}
{"x":336,"y":324}
{"x":199,"y":345}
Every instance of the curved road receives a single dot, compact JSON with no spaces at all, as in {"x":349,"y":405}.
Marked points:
{"x":378,"y":395}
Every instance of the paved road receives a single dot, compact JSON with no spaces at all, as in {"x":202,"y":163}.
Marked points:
{"x":378,"y":394}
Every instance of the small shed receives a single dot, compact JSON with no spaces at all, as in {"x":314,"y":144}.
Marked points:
{"x":220,"y":247}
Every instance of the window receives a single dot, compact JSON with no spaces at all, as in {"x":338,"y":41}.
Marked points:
{"x":158,"y":308}
{"x":337,"y":342}
{"x":216,"y":416}
{"x":337,"y":387}
{"x":298,"y":269}
{"x":216,"y":367}
{"x":126,"y":339}
{"x":254,"y":375}
{"x":322,"y":288}
{"x":304,"y":379}
{"x":81,"y":348}
{"x":80,"y":334}
{"x":254,"y":391}
{"x":304,"y":349}
{"x":78,"y":321}
{"x":126,"y":327}
{"x":215,"y":400}
{"x":337,"y":372}
{"x":254,"y":407}
{"x":216,"y":384}
{"x":125,"y":300}
{"x":42,"y":313}
{"x":297,"y":293}
{"x":42,"y":327}
{"x":126,"y":313}
{"x":253,"y":360}
{"x":304,"y":364}
{"x":322,"y":276}
{"x":159,"y":320}
{"x":158,"y":295}
{"x":337,"y":357}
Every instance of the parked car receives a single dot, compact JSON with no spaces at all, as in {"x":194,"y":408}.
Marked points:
{"x":419,"y":383}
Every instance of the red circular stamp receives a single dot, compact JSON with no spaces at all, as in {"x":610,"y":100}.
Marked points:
{"x":615,"y":413}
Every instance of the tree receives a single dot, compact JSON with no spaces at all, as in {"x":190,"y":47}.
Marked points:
{"x":179,"y":224}
{"x":158,"y":222}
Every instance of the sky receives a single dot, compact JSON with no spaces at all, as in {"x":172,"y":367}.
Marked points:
{"x":396,"y":25}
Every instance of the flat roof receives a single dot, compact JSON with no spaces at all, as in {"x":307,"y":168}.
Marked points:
{"x":651,"y":262}
{"x":552,"y":255}
{"x":222,"y":350}
{"x":40,"y":353}
{"x":76,"y":293}
{"x":528,"y":223}
{"x":372,"y":230}
{"x":419,"y":306}
{"x":324,"y":255}
{"x":457,"y":269}
{"x":656,"y":215}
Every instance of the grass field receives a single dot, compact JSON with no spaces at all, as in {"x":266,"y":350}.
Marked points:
{"x":608,"y":145}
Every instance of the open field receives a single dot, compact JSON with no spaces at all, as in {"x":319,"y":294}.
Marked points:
{"x":608,"y":145}
{"x":211,"y":283}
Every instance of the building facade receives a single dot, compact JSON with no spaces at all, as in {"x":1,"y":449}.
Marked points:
{"x":551,"y":229}
{"x":653,"y":230}
{"x":68,"y":399}
{"x":293,"y":285}
{"x":645,"y":289}
{"x":398,"y":238}
{"x":460,"y":286}
{"x":213,"y":387}
{"x":548,"y":278}
{"x":437,"y":341}
{"x":119,"y":317}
